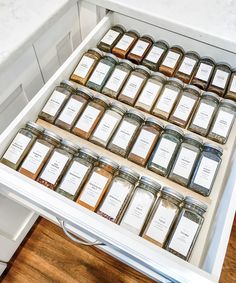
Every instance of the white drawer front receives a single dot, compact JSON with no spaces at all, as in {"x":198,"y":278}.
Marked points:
{"x":3,"y":266}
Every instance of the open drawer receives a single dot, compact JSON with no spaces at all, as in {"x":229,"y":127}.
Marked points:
{"x":208,"y":255}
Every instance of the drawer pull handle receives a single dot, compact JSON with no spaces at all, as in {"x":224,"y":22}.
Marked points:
{"x":73,"y":238}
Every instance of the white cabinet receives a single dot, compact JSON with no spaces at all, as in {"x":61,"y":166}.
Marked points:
{"x":3,"y":266}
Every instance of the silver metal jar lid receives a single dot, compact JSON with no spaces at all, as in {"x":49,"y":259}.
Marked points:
{"x":74,"y":147}
{"x":211,"y":94}
{"x":129,"y":172}
{"x":127,"y":62}
{"x":148,"y":36}
{"x":136,"y":113}
{"x":179,"y":47}
{"x":228,"y":102}
{"x":224,"y":64}
{"x":89,"y":153}
{"x":52,"y":136}
{"x":207,"y":58}
{"x":163,"y":42}
{"x":192,"y":52}
{"x":173,"y":193}
{"x":85,"y":91}
{"x":119,"y":26}
{"x":193,"y":137}
{"x":213,"y":146}
{"x":102,"y":98}
{"x":111,"y":56}
{"x":68,"y":83}
{"x":191,"y":200}
{"x":141,"y":67}
{"x":192,"y":87}
{"x":159,"y":75}
{"x":174,"y":128}
{"x":119,"y":107}
{"x":155,"y":121}
{"x":108,"y":162}
{"x":151,"y":183}
{"x":175,"y":80}
{"x":34,"y":126}
{"x":97,"y":50}
{"x":135,"y":32}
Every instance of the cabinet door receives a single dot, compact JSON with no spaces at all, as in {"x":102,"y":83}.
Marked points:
{"x":3,"y":266}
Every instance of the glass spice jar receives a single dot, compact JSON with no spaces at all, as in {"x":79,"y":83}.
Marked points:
{"x":90,"y":117}
{"x":111,"y":37}
{"x":163,"y":216}
{"x":102,"y":72}
{"x":56,"y":101}
{"x":220,"y":79}
{"x":171,"y":60}
{"x":117,"y":79}
{"x":145,"y":141}
{"x":134,"y":85}
{"x":204,"y":113}
{"x":231,"y":91}
{"x":206,"y":169}
{"x":77,"y":173}
{"x":186,"y":229}
{"x":186,"y":67}
{"x":166,"y":150}
{"x":108,"y":124}
{"x":21,"y":145}
{"x":97,"y":183}
{"x":167,"y":98}
{"x":86,"y":66}
{"x":203,"y":72}
{"x":73,"y":108}
{"x":123,"y":137}
{"x":57,"y":164}
{"x":150,"y":92}
{"x":140,"y":205}
{"x":39,"y":154}
{"x":223,"y":121}
{"x":118,"y":193}
{"x":155,"y":55}
{"x":185,"y":106}
{"x":125,"y":44}
{"x":186,"y":159}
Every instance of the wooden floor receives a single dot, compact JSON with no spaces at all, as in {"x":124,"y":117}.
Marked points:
{"x":48,"y":256}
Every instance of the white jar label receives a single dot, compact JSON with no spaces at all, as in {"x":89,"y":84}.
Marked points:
{"x":184,"y":236}
{"x":220,"y":79}
{"x":143,"y":143}
{"x":184,"y":108}
{"x":124,"y":42}
{"x":16,"y":148}
{"x":223,"y":123}
{"x":149,"y":93}
{"x":105,"y":127}
{"x":110,"y":37}
{"x":35,"y":157}
{"x":161,"y":223}
{"x":184,"y":164}
{"x":87,"y":119}
{"x":167,"y":100}
{"x":206,"y":172}
{"x":171,"y":59}
{"x":73,"y":178}
{"x":93,"y":189}
{"x":70,"y":111}
{"x":99,"y":73}
{"x":164,"y":153}
{"x":233,"y":84}
{"x":116,"y":80}
{"x":203,"y":115}
{"x":124,"y":134}
{"x":132,"y":86}
{"x":154,"y":54}
{"x":84,"y":66}
{"x":54,"y":167}
{"x":204,"y":72}
{"x":187,"y":66}
{"x":54,"y":103}
{"x":139,"y":48}
{"x":115,"y":199}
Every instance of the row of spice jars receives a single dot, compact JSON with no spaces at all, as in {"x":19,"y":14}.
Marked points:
{"x":171,"y":61}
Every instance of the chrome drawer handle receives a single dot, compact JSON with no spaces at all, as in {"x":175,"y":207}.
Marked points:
{"x":75,"y":239}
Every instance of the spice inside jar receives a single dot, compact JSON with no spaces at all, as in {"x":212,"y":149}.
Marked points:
{"x":150,"y":92}
{"x":39,"y":154}
{"x":206,"y":169}
{"x":108,"y":124}
{"x":186,"y":159}
{"x":185,"y":106}
{"x":117,"y":79}
{"x":90,"y":117}
{"x":77,"y":173}
{"x":146,"y":141}
{"x":123,"y":138}
{"x":166,"y":150}
{"x":111,"y":37}
{"x":204,"y":113}
{"x":155,"y":55}
{"x":231,"y":92}
{"x":163,"y":216}
{"x":223,"y":121}
{"x":86,"y":66}
{"x":186,"y":228}
{"x":125,"y":44}
{"x":118,"y":194}
{"x":167,"y":98}
{"x":21,"y":145}
{"x":56,"y":101}
{"x":140,"y":205}
{"x":97,"y":183}
{"x":134,"y":85}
